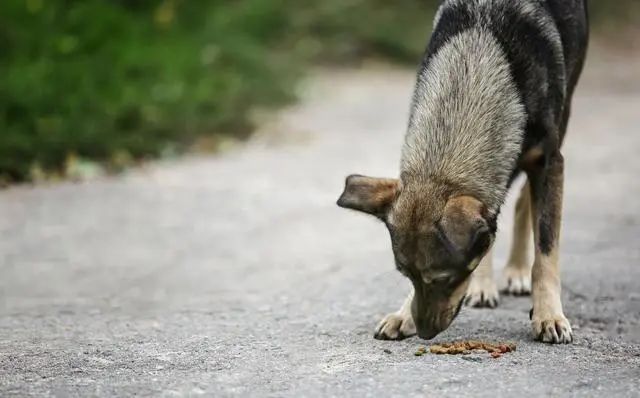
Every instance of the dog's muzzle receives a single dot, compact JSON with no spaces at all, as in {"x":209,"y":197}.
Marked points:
{"x":433,"y":311}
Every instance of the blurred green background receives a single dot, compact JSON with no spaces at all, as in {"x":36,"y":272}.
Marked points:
{"x":112,"y":82}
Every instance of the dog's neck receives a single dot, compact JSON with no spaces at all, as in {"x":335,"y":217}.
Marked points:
{"x":467,"y":121}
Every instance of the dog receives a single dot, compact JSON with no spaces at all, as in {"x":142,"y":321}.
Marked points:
{"x":492,"y":101}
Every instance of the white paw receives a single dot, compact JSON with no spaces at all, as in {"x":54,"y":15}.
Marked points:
{"x":551,"y":329}
{"x":517,"y":280}
{"x":395,"y":326}
{"x":482,"y":292}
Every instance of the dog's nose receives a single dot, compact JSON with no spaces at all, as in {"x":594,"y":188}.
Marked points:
{"x":427,"y":329}
{"x":427,"y":334}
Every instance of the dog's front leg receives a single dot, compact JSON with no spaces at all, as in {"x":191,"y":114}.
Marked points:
{"x":548,"y":320}
{"x":517,"y":273}
{"x":482,"y":291}
{"x":397,"y":325}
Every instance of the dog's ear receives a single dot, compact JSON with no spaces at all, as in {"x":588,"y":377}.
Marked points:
{"x":368,"y":194}
{"x":464,"y":228}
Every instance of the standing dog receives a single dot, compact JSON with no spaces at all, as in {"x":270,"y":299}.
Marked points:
{"x":492,"y":100}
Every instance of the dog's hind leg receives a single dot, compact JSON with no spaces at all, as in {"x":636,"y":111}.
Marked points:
{"x":482,"y":291}
{"x":397,"y":325}
{"x":547,"y":318}
{"x":517,"y":273}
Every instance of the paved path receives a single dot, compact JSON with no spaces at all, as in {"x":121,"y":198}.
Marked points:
{"x":238,"y":276}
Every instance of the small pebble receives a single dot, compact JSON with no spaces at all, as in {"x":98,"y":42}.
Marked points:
{"x":421,"y":351}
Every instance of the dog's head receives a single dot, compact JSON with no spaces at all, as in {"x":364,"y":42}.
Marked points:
{"x":438,"y":237}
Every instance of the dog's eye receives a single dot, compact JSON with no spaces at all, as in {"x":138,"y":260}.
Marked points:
{"x":442,"y":279}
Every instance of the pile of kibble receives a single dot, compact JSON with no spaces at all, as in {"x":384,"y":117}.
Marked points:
{"x":467,"y":347}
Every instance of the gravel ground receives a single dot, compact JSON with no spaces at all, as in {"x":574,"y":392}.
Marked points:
{"x":238,"y":276}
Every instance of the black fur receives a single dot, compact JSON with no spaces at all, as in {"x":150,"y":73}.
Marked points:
{"x":545,"y":183}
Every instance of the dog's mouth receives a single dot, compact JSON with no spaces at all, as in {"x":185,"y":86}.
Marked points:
{"x":455,"y":315}
{"x":431,"y":324}
{"x":433,"y":312}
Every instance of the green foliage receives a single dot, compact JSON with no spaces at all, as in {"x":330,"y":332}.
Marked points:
{"x":614,"y":17}
{"x":95,"y":79}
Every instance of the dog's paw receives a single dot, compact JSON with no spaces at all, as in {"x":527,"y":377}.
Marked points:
{"x":517,"y":281}
{"x":552,"y":329}
{"x":482,"y":293}
{"x":395,"y":326}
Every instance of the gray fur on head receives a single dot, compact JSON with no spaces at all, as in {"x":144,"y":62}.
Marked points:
{"x":467,"y":120}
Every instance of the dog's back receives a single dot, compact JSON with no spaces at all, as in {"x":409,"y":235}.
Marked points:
{"x":495,"y":76}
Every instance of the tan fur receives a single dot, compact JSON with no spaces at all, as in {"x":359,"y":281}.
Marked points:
{"x":529,"y":159}
{"x":548,"y":321}
{"x":482,"y":291}
{"x":459,"y":215}
{"x":399,"y":324}
{"x":368,"y":194}
{"x":517,"y":273}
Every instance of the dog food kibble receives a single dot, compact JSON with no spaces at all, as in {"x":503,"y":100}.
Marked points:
{"x":466,"y":347}
{"x":421,"y":351}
